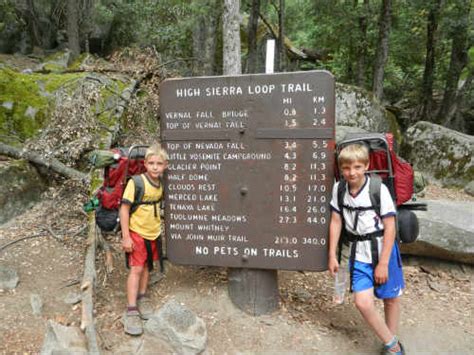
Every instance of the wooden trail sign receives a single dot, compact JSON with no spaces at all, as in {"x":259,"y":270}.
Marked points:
{"x":251,"y":169}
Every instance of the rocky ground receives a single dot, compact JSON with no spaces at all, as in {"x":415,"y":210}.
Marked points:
{"x":436,"y":307}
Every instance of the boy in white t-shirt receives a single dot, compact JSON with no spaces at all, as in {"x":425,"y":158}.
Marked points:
{"x":375,"y":262}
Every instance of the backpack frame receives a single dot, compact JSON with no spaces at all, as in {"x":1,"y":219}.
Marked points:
{"x":407,"y":228}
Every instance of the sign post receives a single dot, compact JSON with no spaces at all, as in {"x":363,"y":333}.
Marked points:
{"x":251,"y":169}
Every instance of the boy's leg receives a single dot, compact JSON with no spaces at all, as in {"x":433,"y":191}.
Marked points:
{"x":143,"y":285}
{"x":145,"y":306}
{"x":133,"y":283}
{"x":364,"y":301}
{"x":132,"y":322}
{"x":392,"y":313}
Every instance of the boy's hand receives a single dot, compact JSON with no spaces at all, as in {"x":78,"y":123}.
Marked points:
{"x":381,"y":273}
{"x":333,"y":265}
{"x":127,"y":244}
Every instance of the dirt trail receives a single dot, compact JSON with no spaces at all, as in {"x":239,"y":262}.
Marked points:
{"x":436,"y":307}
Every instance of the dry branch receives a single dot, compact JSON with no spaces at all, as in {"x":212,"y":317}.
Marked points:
{"x":35,"y":158}
{"x":19,"y":240}
{"x":105,"y":246}
{"x":87,"y":321}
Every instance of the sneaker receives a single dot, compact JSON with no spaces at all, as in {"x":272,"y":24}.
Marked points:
{"x":386,"y":350}
{"x":145,"y":307}
{"x":132,"y":323}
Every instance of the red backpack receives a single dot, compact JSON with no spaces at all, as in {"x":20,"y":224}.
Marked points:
{"x":125,"y":164}
{"x":385,"y":166}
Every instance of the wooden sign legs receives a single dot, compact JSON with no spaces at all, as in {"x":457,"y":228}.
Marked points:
{"x":254,"y":291}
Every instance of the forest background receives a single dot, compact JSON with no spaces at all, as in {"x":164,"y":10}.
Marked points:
{"x":416,"y":56}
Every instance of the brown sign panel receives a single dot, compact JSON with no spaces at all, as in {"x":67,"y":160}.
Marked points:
{"x":251,"y":169}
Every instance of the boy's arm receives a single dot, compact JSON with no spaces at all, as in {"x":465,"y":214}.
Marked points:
{"x":124,"y":214}
{"x":381,"y":273}
{"x":335,"y":228}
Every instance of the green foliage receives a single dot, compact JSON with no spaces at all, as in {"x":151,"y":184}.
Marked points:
{"x":7,"y":14}
{"x":163,"y":24}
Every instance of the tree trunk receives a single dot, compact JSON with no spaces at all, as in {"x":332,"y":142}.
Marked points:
{"x":362,"y":46}
{"x":231,"y":33}
{"x":252,"y":291}
{"x":205,"y":40}
{"x":73,"y":28}
{"x":252,"y":60}
{"x":37,"y":159}
{"x":428,"y":75}
{"x":281,"y":37}
{"x":382,"y":48}
{"x":458,"y":62}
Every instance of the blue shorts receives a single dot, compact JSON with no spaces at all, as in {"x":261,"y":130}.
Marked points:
{"x":363,"y":277}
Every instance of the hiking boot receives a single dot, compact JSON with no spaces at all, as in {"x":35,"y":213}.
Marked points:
{"x":145,"y":307}
{"x":132,"y":323}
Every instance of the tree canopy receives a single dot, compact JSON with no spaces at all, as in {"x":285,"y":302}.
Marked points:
{"x":428,"y":67}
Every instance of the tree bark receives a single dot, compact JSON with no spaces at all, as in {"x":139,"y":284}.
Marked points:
{"x":458,"y":62}
{"x":73,"y":28}
{"x":281,"y":37}
{"x":252,"y":60}
{"x":382,"y":48}
{"x":428,"y":75}
{"x":205,"y":39}
{"x":231,"y":33}
{"x":37,"y":159}
{"x":362,"y":46}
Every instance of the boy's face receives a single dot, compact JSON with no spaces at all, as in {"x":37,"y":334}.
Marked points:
{"x":354,"y":172}
{"x":155,"y":166}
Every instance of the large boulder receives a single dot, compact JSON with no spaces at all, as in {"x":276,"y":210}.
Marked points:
{"x":341,"y":132}
{"x":33,"y":104}
{"x":20,"y":188}
{"x":356,"y":107}
{"x":60,"y":339}
{"x":444,"y":154}
{"x":179,"y":327}
{"x":446,"y":232}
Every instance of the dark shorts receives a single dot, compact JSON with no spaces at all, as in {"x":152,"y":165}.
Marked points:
{"x":139,"y":255}
{"x":363,"y":277}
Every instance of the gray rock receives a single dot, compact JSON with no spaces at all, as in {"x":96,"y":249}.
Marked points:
{"x":73,"y":298}
{"x":446,"y":232}
{"x":419,"y":182}
{"x":60,"y":339}
{"x":444,"y":154}
{"x":469,"y":188}
{"x":341,"y":131}
{"x":31,"y":112}
{"x":36,"y":304}
{"x":356,"y":107}
{"x":20,"y":188}
{"x":180,"y":327}
{"x":303,"y":294}
{"x":8,"y":278}
{"x":144,"y":345}
{"x":8,"y":105}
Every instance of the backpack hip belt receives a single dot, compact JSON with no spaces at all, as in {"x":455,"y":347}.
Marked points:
{"x":374,"y":250}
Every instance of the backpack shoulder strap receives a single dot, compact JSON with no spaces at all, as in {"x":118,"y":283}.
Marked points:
{"x":374,"y":192}
{"x":139,"y":192}
{"x":341,"y":190}
{"x":162,"y":199}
